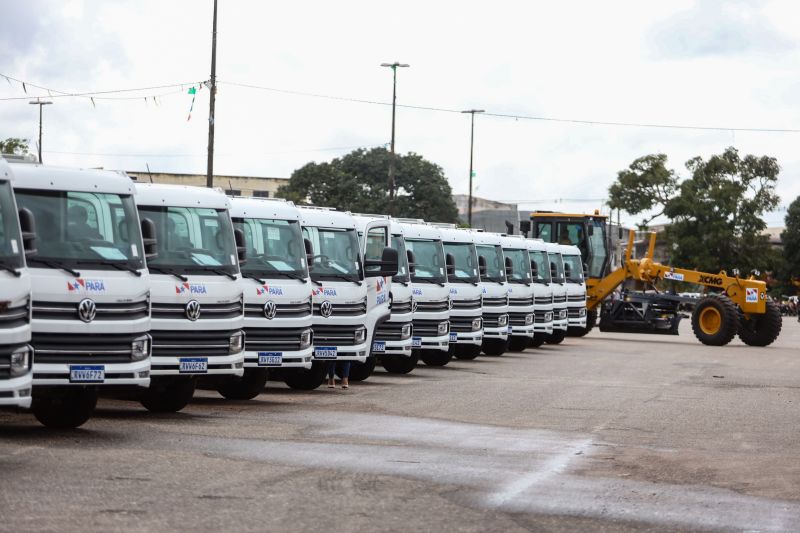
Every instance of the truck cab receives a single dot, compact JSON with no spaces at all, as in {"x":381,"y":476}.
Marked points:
{"x":466,"y":291}
{"x":16,"y":355}
{"x":351,"y":285}
{"x":542,"y":291}
{"x":198,"y":312}
{"x":521,"y":310}
{"x":558,"y":283}
{"x":277,"y":294}
{"x":391,"y":346}
{"x":574,"y":275}
{"x":431,"y":292}
{"x":91,"y":289}
{"x":494,"y":287}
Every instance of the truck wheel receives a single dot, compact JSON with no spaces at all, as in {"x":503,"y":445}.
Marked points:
{"x":715,"y":320}
{"x":537,"y":340}
{"x":303,"y":379}
{"x":361,"y":371}
{"x":517,"y":343}
{"x":65,"y":408}
{"x":435,"y":357}
{"x":465,"y":352}
{"x":591,"y":320}
{"x":247,"y":387}
{"x":557,"y":337}
{"x":762,"y":330}
{"x":168,"y":395}
{"x":494,"y":347}
{"x":398,"y":364}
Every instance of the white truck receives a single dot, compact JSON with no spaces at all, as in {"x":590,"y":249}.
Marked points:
{"x":431,"y":291}
{"x":197,"y":307}
{"x":558,"y":284}
{"x":574,"y":274}
{"x":520,"y":293}
{"x":16,"y":355}
{"x":351,"y":285}
{"x":466,"y":292}
{"x":391,"y":346}
{"x":542,"y":292}
{"x":494,"y":287}
{"x":91,"y":289}
{"x":277,"y":294}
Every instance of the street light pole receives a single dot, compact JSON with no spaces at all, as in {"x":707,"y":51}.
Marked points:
{"x":394,"y":67}
{"x":471,"y":145}
{"x":212,"y":102}
{"x":40,"y":103}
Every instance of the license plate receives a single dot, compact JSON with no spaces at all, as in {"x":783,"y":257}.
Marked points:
{"x":87,"y":373}
{"x":270,"y":358}
{"x":416,"y":342}
{"x":510,"y":329}
{"x":325,"y":352}
{"x":193,"y":365}
{"x":453,"y":337}
{"x":379,"y":346}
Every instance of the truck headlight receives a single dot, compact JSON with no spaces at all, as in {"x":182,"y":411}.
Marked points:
{"x":477,"y":323}
{"x":305,"y":339}
{"x":562,"y":314}
{"x":360,"y":335}
{"x":548,"y":316}
{"x":443,"y":328}
{"x":528,"y":320}
{"x":502,"y":320}
{"x":20,"y":361}
{"x":140,"y":348}
{"x":405,"y":331}
{"x":582,"y":311}
{"x":236,"y":342}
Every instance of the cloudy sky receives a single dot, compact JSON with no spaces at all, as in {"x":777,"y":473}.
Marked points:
{"x":726,"y":65}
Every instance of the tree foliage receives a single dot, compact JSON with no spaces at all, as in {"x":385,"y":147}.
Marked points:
{"x":359,"y":182}
{"x":13,"y":145}
{"x":791,"y":242}
{"x":715,"y":213}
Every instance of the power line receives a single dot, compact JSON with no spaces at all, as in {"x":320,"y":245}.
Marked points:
{"x":56,"y":93}
{"x":328,"y":149}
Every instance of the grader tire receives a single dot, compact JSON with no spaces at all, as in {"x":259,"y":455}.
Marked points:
{"x":762,"y":330}
{"x":715,"y":320}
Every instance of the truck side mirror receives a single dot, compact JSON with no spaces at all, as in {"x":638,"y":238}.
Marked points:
{"x":590,"y":230}
{"x":149,"y":239}
{"x":482,"y":265}
{"x":450,"y":261}
{"x":585,"y":270}
{"x":534,"y":270}
{"x":241,"y":246}
{"x":567,"y":271}
{"x":412,"y":262}
{"x":27,"y":224}
{"x":387,"y":266}
{"x":309,"y":253}
{"x":525,"y":227}
{"x":509,"y":267}
{"x":553,"y":271}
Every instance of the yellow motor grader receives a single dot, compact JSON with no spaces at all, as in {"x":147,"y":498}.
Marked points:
{"x":731,"y":305}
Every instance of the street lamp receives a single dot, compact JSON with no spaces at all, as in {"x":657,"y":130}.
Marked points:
{"x":40,"y":103}
{"x":394,"y":66}
{"x":471,"y":144}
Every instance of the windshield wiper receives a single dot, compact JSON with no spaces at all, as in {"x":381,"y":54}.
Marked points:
{"x":254,"y":278}
{"x":169,"y":272}
{"x":10,"y":269}
{"x":290,"y":275}
{"x":342,"y":276}
{"x":55,"y":264}
{"x":428,"y":280}
{"x":220,"y":271}
{"x":115,"y":264}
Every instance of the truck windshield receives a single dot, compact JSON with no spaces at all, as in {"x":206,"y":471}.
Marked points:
{"x":466,"y":257}
{"x":575,"y":268}
{"x":555,"y":259}
{"x":10,"y":239}
{"x":495,"y":268}
{"x":336,"y":253}
{"x":429,"y":260}
{"x":274,"y":247}
{"x":521,"y":273}
{"x":76,"y":229}
{"x":192,"y":239}
{"x":402,"y":259}
{"x":542,"y":266}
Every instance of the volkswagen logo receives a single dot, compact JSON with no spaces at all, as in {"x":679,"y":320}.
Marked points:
{"x":270,"y":309}
{"x":193,"y":310}
{"x":414,"y":306}
{"x":326,"y":309}
{"x":87,"y":310}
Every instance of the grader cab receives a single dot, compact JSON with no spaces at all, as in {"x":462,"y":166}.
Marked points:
{"x":731,"y":305}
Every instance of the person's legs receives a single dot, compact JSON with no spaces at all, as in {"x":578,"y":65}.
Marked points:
{"x":331,"y":367}
{"x":345,"y":374}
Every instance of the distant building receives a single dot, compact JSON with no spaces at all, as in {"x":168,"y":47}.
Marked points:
{"x":232,"y":185}
{"x":487,"y":214}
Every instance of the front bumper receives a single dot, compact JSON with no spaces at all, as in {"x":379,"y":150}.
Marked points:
{"x":543,"y":320}
{"x":431,"y":343}
{"x":133,"y":374}
{"x":576,"y":316}
{"x":218,"y":365}
{"x":358,"y":353}
{"x":494,"y":327}
{"x":560,"y":318}
{"x":289,"y":359}
{"x":388,"y":339}
{"x":473,"y":337}
{"x":16,"y":392}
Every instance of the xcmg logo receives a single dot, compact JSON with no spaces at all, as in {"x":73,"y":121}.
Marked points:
{"x":86,"y":285}
{"x":191,"y":288}
{"x":711,"y":280}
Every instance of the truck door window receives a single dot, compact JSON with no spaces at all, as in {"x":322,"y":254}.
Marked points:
{"x":377,"y":239}
{"x":10,"y":240}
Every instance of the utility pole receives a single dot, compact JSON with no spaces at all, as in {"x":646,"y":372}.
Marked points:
{"x":212,"y":99}
{"x":471,"y":145}
{"x":393,"y":66}
{"x":40,"y":103}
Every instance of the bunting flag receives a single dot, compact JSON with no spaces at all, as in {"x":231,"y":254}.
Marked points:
{"x":193,"y":92}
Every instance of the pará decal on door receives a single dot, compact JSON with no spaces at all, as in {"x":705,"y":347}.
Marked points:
{"x":86,"y":285}
{"x":190,"y":288}
{"x":266,"y":289}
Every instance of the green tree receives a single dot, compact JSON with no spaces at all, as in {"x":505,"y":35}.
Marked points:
{"x":716,"y":213}
{"x":791,"y":243}
{"x":359,"y":182}
{"x":12,"y":145}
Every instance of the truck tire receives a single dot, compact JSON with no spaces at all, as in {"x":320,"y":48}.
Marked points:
{"x":762,"y":330}
{"x":247,"y":387}
{"x":435,"y":357}
{"x":465,"y":352}
{"x":591,"y":321}
{"x":67,"y":408}
{"x":537,"y":340}
{"x":517,"y":343}
{"x":715,"y":320}
{"x":557,"y":337}
{"x":398,"y":364}
{"x":494,"y":347}
{"x":361,"y":371}
{"x":303,"y":379}
{"x":168,"y":395}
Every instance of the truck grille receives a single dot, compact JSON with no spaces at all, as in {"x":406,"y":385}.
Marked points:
{"x":335,"y":335}
{"x":401,"y":307}
{"x":14,"y":317}
{"x":77,"y":348}
{"x":538,"y":316}
{"x":467,"y":304}
{"x":559,"y":299}
{"x":520,"y":301}
{"x":494,"y":302}
{"x":105,"y":311}
{"x":433,"y":307}
{"x":427,"y":328}
{"x":543,"y":300}
{"x":491,"y":320}
{"x":574,"y":312}
{"x":576,"y":298}
{"x":390,"y":331}
{"x":517,"y":319}
{"x":282,"y":310}
{"x":195,"y":342}
{"x":273,"y":339}
{"x":207,"y":311}
{"x":461,"y":324}
{"x":344,"y":309}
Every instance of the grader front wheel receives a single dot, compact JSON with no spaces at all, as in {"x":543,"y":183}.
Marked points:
{"x":715,"y":320}
{"x":762,"y":330}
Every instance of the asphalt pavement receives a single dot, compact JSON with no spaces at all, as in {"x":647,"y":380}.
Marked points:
{"x":609,"y":432}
